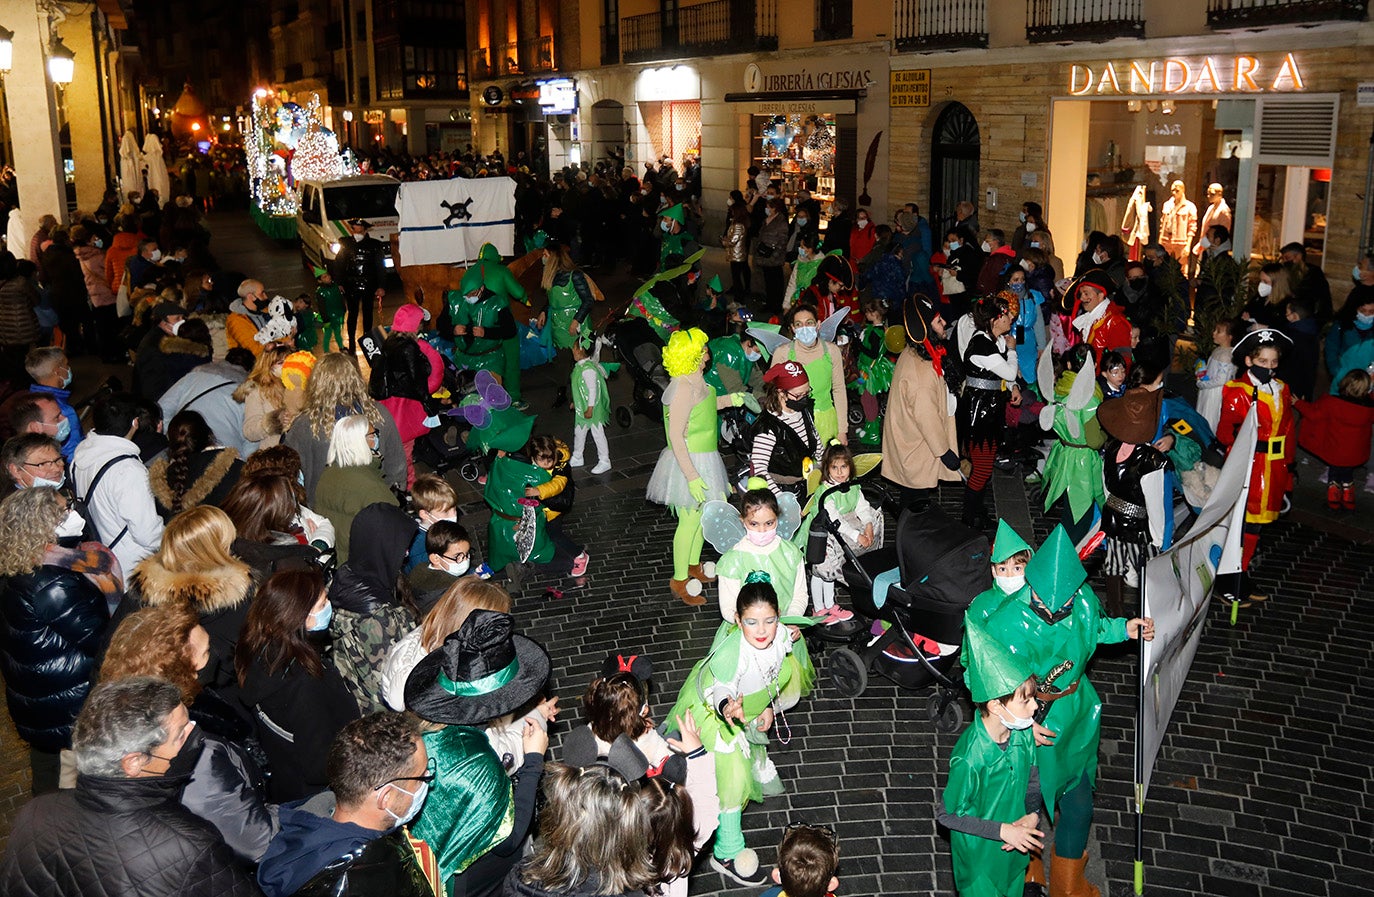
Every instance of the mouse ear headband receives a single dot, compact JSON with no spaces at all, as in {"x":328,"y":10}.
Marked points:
{"x":637,"y":665}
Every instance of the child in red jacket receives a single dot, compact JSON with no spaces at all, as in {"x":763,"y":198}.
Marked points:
{"x":1337,"y":430}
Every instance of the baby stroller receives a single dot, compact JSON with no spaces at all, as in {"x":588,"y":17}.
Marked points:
{"x":641,"y":351}
{"x":444,"y":447}
{"x":941,"y":565}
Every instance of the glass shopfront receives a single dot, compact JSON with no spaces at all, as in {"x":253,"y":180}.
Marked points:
{"x":797,"y":152}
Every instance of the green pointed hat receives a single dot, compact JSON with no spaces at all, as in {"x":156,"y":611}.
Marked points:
{"x":318,"y":271}
{"x":675,"y":213}
{"x":716,"y":285}
{"x":1056,"y":574}
{"x":508,"y":431}
{"x":1007,"y":543}
{"x":990,"y":670}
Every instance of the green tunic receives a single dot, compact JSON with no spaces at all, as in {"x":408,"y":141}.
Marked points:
{"x":307,"y":330}
{"x":478,"y":353}
{"x":783,"y":562}
{"x":564,"y":301}
{"x":601,"y":409}
{"x":874,"y":364}
{"x":1077,"y":718}
{"x":988,"y":781}
{"x":1074,"y":464}
{"x":470,"y":808}
{"x":820,"y":371}
{"x":489,"y":272}
{"x":329,"y":300}
{"x":506,"y":482}
{"x":727,"y":353}
{"x":703,"y":424}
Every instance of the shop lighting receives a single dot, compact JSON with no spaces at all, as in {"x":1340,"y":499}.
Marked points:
{"x":6,"y":50}
{"x":1167,"y":107}
{"x":61,"y":63}
{"x":1134,"y":105}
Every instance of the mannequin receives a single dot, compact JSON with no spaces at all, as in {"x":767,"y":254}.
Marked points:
{"x":1135,"y":224}
{"x":1178,"y":224}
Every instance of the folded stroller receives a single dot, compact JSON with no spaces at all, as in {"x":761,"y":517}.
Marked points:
{"x":941,"y":565}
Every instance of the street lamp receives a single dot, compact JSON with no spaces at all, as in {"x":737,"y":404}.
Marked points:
{"x":61,"y":63}
{"x":6,"y":50}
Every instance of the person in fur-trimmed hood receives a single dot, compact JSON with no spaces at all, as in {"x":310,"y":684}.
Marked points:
{"x":195,"y":470}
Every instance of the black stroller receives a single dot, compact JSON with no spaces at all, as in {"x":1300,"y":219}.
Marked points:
{"x":941,"y":565}
{"x":641,"y":352}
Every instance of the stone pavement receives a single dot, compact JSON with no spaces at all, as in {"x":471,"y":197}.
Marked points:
{"x":1261,"y":787}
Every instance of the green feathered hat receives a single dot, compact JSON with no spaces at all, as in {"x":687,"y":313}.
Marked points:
{"x":1056,"y":574}
{"x":675,"y":213}
{"x":1007,"y":543}
{"x":715,"y":285}
{"x":990,"y":670}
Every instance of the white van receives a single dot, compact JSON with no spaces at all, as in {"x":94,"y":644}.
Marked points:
{"x":326,"y":205}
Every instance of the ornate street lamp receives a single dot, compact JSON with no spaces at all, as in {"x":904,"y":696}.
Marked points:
{"x":61,"y":63}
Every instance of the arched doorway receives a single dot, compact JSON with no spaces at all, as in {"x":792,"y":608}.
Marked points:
{"x":954,"y":150}
{"x":608,"y":131}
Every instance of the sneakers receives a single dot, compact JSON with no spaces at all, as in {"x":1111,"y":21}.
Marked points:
{"x":575,"y":461}
{"x":579,"y":565}
{"x":1333,"y":495}
{"x":1348,"y":496}
{"x":832,"y":614}
{"x":743,"y":868}
{"x":602,"y":466}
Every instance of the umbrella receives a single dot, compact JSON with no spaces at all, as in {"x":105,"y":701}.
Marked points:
{"x":130,"y":166}
{"x":157,"y":168}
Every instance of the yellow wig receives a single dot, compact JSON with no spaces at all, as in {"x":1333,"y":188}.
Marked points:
{"x":684,"y":352}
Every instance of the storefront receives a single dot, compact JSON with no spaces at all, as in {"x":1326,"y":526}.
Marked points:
{"x":1271,"y":117}
{"x":668,"y":101}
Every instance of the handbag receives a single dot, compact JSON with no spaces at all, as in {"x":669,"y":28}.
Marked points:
{"x":765,"y":250}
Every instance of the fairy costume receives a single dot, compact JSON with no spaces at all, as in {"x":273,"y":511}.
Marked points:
{"x":644,"y":304}
{"x":875,"y":364}
{"x":739,"y":557}
{"x":990,"y":784}
{"x":777,"y":676}
{"x":1073,"y":468}
{"x":852,"y":513}
{"x":589,"y":393}
{"x":824,"y":364}
{"x":1055,"y":623}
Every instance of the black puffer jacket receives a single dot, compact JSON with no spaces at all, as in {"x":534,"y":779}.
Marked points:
{"x":52,"y":622}
{"x":118,"y":838}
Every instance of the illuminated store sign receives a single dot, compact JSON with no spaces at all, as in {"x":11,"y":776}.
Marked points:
{"x":1206,"y":75}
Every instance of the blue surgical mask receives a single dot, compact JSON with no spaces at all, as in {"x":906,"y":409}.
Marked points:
{"x":1023,"y":217}
{"x":41,"y":482}
{"x":1364,"y":322}
{"x":1355,"y":273}
{"x":322,"y":619}
{"x":665,"y":225}
{"x":953,"y":245}
{"x":67,"y":380}
{"x":472,"y":298}
{"x":98,"y":243}
{"x":807,"y":335}
{"x":64,"y":430}
{"x":753,"y":356}
{"x":1017,"y":288}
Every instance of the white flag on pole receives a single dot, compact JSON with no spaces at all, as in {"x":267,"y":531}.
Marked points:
{"x":446,"y":222}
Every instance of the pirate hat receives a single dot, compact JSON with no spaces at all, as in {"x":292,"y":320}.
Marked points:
{"x":1133,"y":417}
{"x":1265,"y":337}
{"x":480,"y":672}
{"x":917,"y":315}
{"x":1096,"y":278}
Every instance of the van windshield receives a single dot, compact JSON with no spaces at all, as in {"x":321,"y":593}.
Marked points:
{"x":360,"y":201}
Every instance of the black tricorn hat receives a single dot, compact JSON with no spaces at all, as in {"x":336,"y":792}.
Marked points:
{"x":480,"y":672}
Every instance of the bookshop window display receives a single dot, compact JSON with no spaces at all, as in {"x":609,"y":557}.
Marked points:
{"x":798,"y":153}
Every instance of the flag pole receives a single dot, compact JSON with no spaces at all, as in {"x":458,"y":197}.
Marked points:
{"x":1139,"y":728}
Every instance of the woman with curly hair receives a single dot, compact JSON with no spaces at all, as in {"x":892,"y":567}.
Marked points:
{"x":195,"y":470}
{"x":269,"y":408}
{"x":990,"y":374}
{"x":195,"y":567}
{"x":336,"y":389}
{"x":54,"y":611}
{"x":226,"y":787}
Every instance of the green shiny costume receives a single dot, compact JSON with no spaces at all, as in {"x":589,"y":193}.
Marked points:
{"x":727,"y":352}
{"x":478,"y":353}
{"x":988,"y":782}
{"x":1074,"y":465}
{"x":330,"y":302}
{"x":820,"y":371}
{"x":601,"y":411}
{"x":1058,"y":577}
{"x":564,"y":301}
{"x":874,"y":364}
{"x":488,"y":271}
{"x":470,"y":808}
{"x":506,"y":482}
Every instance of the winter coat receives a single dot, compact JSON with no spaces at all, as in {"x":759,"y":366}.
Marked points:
{"x":296,"y":716}
{"x":262,"y":417}
{"x":59,"y":270}
{"x":360,"y":266}
{"x":122,"y":247}
{"x":209,"y":390}
{"x":994,"y":272}
{"x":736,"y":242}
{"x":314,"y":450}
{"x":516,"y":887}
{"x":241,"y":328}
{"x":213,"y":473}
{"x":919,"y":427}
{"x":774,"y":235}
{"x":315,"y":855}
{"x":1337,"y":429}
{"x":162,"y":359}
{"x":122,"y":501}
{"x":344,"y":491}
{"x":861,"y":241}
{"x":226,"y":790}
{"x":18,"y":324}
{"x":367,"y":582}
{"x":93,"y":269}
{"x":118,"y":838}
{"x":267,"y":558}
{"x":53,"y":623}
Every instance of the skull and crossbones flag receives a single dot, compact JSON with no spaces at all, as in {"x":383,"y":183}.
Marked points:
{"x":446,"y":222}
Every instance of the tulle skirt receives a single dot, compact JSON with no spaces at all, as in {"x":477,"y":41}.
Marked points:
{"x":667,"y":485}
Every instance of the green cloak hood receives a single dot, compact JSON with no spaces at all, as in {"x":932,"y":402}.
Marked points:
{"x":990,"y":670}
{"x":1056,"y":574}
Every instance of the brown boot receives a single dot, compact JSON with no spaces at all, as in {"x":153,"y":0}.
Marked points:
{"x":1035,"y":885}
{"x":1067,"y":877}
{"x":698,"y":572}
{"x":679,"y":588}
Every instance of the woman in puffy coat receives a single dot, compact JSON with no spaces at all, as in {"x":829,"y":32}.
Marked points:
{"x":18,"y":299}
{"x":54,"y":609}
{"x":226,"y":787}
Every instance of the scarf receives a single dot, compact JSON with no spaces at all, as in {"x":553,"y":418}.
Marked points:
{"x":937,"y":356}
{"x":93,"y":561}
{"x":1084,"y":322}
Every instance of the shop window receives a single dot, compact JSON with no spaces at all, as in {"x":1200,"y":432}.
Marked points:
{"x":798,"y":152}
{"x":954,"y":160}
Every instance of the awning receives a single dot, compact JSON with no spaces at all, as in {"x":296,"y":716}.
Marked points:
{"x":797,"y":102}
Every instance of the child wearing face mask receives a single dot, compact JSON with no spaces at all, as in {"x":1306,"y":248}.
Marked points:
{"x":450,"y":556}
{"x":432,"y":499}
{"x":757,"y":670}
{"x":762,"y":548}
{"x":860,"y":525}
{"x":992,"y":799}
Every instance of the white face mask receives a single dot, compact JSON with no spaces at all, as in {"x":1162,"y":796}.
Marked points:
{"x":359,"y":237}
{"x":71,"y":526}
{"x":1099,"y":258}
{"x":457,"y":568}
{"x":1016,"y":723}
{"x":176,"y":327}
{"x":863,"y":223}
{"x":155,"y":255}
{"x":1010,"y":584}
{"x":1035,"y":244}
{"x":417,"y":800}
{"x":1265,"y":289}
{"x":1030,"y":227}
{"x":472,"y":298}
{"x":985,"y":247}
{"x":1355,"y":273}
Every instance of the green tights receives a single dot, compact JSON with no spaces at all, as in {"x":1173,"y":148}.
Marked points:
{"x":687,"y":541}
{"x":1074,"y":821}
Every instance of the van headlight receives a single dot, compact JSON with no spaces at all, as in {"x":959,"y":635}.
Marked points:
{"x":334,"y":248}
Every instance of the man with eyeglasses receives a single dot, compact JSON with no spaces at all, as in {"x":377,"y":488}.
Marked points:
{"x":352,"y":840}
{"x":34,"y":459}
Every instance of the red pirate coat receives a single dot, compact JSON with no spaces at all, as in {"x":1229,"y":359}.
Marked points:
{"x":1275,"y":442}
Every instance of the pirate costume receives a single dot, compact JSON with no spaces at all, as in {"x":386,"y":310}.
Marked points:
{"x":1134,"y":516}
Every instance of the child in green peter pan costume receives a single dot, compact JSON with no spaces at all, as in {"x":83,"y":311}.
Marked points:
{"x":1054,"y":623}
{"x":490,"y":273}
{"x":517,"y":532}
{"x":992,"y":799}
{"x":591,"y":402}
{"x":332,"y":310}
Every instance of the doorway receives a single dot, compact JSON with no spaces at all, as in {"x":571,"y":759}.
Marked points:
{"x":954,"y":155}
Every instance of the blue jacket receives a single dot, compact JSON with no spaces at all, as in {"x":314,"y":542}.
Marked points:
{"x":1341,"y":338}
{"x":62,"y":397}
{"x":309,"y":840}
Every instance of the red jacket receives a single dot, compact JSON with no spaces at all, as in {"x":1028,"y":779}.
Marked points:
{"x":861,"y":241}
{"x":122,"y":246}
{"x":1337,"y":430}
{"x":1113,"y":331}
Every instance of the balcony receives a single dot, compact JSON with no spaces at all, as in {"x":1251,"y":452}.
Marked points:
{"x":508,"y":58}
{"x":718,"y":26}
{"x":480,"y":66}
{"x":1224,"y":14}
{"x":1052,"y":21}
{"x":941,"y":24}
{"x":538,"y":54}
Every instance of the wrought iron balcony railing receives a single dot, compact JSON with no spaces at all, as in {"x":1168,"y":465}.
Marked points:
{"x":940,"y":24}
{"x":1223,"y":14}
{"x":1048,"y":21}
{"x":718,"y":26}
